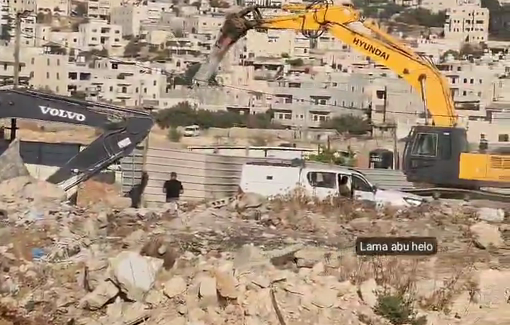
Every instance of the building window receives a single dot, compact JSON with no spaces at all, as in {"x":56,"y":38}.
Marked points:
{"x":503,"y":138}
{"x":425,"y":145}
{"x":322,"y":179}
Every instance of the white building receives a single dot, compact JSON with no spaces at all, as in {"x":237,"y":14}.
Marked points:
{"x":130,"y":17}
{"x":101,"y":9}
{"x":467,"y":23}
{"x":98,"y":35}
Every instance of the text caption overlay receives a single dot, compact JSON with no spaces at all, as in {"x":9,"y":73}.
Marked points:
{"x":396,"y":246}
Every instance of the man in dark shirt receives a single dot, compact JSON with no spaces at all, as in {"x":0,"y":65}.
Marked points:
{"x":173,"y":188}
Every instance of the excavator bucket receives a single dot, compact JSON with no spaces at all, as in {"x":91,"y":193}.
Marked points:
{"x":234,"y":28}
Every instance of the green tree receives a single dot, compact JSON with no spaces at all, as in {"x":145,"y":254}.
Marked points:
{"x":455,"y":54}
{"x":422,"y":17}
{"x":296,"y":62}
{"x":81,"y":9}
{"x":174,"y":135}
{"x":197,"y":4}
{"x":132,"y":49}
{"x":79,"y":95}
{"x":5,"y":34}
{"x":492,"y":5}
{"x":473,"y":50}
{"x":351,"y":124}
{"x":329,"y":156}
{"x":219,"y":4}
{"x":183,"y":114}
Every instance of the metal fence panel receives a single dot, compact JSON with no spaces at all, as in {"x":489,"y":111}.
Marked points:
{"x":48,"y":154}
{"x":132,"y":167}
{"x":387,"y":178}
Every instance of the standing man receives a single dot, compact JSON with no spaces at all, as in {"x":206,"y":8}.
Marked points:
{"x":483,"y":146}
{"x":173,"y":188}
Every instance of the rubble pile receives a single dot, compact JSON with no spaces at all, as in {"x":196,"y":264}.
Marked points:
{"x":247,"y":261}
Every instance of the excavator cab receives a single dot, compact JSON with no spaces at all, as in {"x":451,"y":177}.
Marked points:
{"x":432,"y":155}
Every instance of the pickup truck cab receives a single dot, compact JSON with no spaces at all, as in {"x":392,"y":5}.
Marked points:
{"x":279,"y":178}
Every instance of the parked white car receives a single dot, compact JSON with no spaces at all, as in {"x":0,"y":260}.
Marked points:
{"x":272,"y":179}
{"x":192,"y":131}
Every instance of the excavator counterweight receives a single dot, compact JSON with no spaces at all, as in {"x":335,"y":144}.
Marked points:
{"x":123,"y":129}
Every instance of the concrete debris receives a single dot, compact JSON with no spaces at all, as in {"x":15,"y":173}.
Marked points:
{"x":11,"y":164}
{"x":134,"y":274}
{"x":491,"y":214}
{"x":486,"y":235}
{"x":174,"y":287}
{"x":249,"y":261}
{"x":103,"y":293}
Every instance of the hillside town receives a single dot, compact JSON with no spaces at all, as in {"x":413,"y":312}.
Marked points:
{"x":130,"y":52}
{"x":180,"y":162}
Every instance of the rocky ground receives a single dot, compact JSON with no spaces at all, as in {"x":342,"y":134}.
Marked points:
{"x":247,"y":261}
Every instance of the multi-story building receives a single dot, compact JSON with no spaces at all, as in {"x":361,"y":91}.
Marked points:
{"x":130,"y":17}
{"x":472,"y":85}
{"x":467,"y":23}
{"x":98,"y":35}
{"x":101,"y":9}
{"x":49,"y":72}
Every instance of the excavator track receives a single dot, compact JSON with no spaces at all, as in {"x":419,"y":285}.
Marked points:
{"x":459,"y":193}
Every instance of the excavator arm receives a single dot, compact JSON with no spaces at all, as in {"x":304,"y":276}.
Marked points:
{"x":123,"y":129}
{"x":366,"y":38}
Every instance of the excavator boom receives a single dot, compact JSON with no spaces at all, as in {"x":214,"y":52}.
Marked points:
{"x":123,"y":129}
{"x":345,"y":23}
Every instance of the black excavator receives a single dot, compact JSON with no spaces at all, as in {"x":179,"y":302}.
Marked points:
{"x":123,"y":129}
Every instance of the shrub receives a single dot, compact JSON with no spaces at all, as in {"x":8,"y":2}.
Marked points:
{"x":348,"y":124}
{"x":398,"y":310}
{"x":174,"y":135}
{"x":183,"y":114}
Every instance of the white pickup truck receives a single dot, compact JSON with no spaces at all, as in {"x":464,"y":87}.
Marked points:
{"x":279,"y":178}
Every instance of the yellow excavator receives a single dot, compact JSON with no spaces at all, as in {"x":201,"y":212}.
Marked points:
{"x":436,"y":153}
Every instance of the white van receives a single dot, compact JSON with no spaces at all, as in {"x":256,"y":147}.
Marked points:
{"x":191,"y":131}
{"x":279,"y":178}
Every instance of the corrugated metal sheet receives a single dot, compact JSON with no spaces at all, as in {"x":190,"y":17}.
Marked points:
{"x":387,"y":178}
{"x":203,"y":176}
{"x":131,"y":169}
